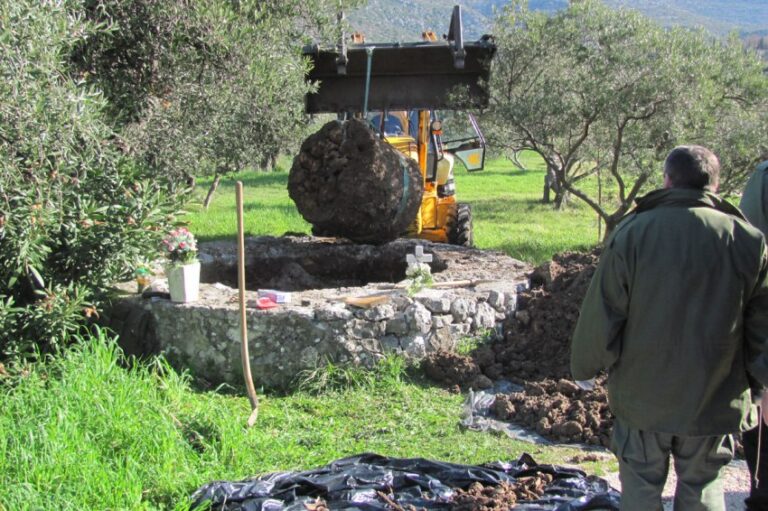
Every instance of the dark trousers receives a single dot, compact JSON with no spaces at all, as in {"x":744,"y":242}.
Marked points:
{"x":758,"y":497}
{"x":644,"y":464}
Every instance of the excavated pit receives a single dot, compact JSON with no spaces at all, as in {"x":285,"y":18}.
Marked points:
{"x":324,"y":279}
{"x":300,"y":264}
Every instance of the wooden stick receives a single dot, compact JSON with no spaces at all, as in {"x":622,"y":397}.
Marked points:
{"x":243,"y":326}
{"x":441,"y":285}
{"x":367,"y":302}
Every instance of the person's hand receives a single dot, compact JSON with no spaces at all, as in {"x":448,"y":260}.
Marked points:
{"x":590,"y":385}
{"x":764,"y":407}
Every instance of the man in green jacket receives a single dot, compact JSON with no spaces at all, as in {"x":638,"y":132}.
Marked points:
{"x":754,"y":205}
{"x":754,"y":200}
{"x":677,"y":313}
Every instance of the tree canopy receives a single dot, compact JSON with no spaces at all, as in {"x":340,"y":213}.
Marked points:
{"x":109,"y":107}
{"x":75,"y":213}
{"x":595,"y":89}
{"x":204,"y":86}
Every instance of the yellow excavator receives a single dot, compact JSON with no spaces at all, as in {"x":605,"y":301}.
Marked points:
{"x":401,"y":89}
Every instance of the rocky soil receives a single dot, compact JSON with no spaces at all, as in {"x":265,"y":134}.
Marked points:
{"x":503,"y":496}
{"x":535,"y":353}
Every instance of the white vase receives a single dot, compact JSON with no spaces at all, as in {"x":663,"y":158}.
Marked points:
{"x":184,"y":282}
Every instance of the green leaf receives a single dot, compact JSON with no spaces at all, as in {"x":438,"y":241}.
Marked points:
{"x":38,"y":278}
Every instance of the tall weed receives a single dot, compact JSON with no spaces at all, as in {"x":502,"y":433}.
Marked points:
{"x":82,"y":431}
{"x":389,"y":372}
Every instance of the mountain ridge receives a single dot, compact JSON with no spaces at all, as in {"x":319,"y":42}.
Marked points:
{"x":404,"y":20}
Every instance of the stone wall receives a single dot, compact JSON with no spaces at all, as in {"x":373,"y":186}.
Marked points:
{"x":474,"y":291}
{"x":204,"y":337}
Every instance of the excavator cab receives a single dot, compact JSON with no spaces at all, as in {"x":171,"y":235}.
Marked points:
{"x":401,"y":90}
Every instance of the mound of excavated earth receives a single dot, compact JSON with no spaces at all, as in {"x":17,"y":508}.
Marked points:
{"x":479,"y":497}
{"x":560,"y":410}
{"x":535,"y":353}
{"x":347,"y":182}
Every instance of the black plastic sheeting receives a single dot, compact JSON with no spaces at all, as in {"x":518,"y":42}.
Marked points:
{"x":353,"y":483}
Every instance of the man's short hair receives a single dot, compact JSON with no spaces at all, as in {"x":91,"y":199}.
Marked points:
{"x":692,"y":166}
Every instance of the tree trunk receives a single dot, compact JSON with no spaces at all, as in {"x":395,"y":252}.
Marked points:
{"x":550,"y":184}
{"x":516,"y":160}
{"x":611,"y":221}
{"x":211,"y":191}
{"x":268,"y":162}
{"x":189,"y":179}
{"x":561,"y":198}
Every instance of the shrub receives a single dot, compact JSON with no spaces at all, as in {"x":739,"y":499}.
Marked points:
{"x":75,"y":213}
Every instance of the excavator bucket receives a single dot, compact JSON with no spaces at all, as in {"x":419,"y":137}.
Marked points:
{"x":401,"y":76}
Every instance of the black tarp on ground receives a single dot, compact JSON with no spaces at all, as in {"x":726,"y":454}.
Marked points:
{"x":353,"y":483}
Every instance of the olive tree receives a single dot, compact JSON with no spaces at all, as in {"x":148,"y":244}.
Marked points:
{"x":731,"y":109}
{"x":211,"y":87}
{"x":599,"y":90}
{"x":75,"y":213}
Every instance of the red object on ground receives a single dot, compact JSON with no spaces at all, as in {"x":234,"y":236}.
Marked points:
{"x":265,"y":303}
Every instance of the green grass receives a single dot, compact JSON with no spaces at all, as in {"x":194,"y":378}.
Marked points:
{"x":267,"y":208}
{"x":508,"y":214}
{"x":506,"y":201}
{"x":83,"y":432}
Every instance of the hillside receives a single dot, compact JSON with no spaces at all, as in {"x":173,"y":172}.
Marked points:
{"x":401,"y":20}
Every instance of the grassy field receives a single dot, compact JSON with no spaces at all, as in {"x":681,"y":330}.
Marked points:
{"x":506,"y":201}
{"x":91,"y":431}
{"x":84,"y":432}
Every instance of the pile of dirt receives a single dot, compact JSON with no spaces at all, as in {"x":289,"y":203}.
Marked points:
{"x":478,"y":497}
{"x":537,"y":340}
{"x":455,"y":371}
{"x":560,"y":410}
{"x":535,"y":353}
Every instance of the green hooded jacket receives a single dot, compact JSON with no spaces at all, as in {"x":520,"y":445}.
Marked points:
{"x":754,"y":200}
{"x":677,"y":312}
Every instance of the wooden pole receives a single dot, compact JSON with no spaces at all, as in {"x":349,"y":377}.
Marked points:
{"x":599,"y":203}
{"x":254,"y":399}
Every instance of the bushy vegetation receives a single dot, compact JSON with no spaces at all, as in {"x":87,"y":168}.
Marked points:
{"x":607,"y":92}
{"x":75,"y":213}
{"x":205,"y":87}
{"x":111,"y":108}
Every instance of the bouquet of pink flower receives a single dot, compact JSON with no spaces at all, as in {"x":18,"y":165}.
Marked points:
{"x":180,"y":246}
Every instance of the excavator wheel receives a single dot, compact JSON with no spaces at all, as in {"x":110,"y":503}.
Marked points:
{"x":460,"y":226}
